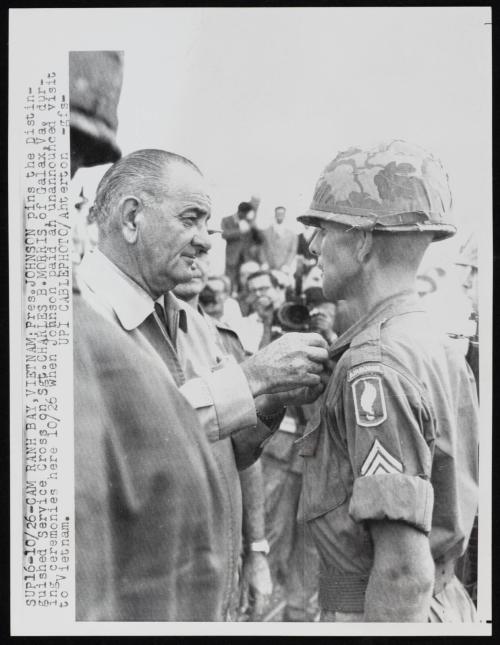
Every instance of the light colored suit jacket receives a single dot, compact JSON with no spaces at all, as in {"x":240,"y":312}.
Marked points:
{"x":279,"y":249}
{"x":148,"y":494}
{"x":222,"y":397}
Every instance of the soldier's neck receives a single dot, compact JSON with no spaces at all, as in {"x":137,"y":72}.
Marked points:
{"x":368,"y":294}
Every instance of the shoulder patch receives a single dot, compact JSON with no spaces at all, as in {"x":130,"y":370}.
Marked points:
{"x":366,"y":368}
{"x":369,"y":401}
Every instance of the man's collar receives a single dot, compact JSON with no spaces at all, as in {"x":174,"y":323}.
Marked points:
{"x":401,"y":302}
{"x":131,"y":304}
{"x":175,"y":310}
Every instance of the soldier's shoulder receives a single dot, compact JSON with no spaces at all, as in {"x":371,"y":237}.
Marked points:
{"x":230,"y":338}
{"x":224,"y":328}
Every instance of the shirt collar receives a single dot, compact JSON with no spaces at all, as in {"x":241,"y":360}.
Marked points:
{"x":175,"y":310}
{"x":131,"y":304}
{"x":401,"y":302}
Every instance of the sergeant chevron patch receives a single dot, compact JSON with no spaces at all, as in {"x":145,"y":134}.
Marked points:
{"x":380,"y":461}
{"x":369,"y":401}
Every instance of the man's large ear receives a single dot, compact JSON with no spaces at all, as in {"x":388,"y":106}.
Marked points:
{"x":365,"y":245}
{"x":130,"y":208}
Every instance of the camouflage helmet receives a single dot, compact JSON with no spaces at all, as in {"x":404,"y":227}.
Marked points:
{"x":395,"y":187}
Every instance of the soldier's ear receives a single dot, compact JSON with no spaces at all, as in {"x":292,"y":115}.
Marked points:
{"x":365,"y":245}
{"x":130,"y":209}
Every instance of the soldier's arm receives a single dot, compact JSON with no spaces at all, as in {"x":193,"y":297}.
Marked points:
{"x":390,"y":437}
{"x":402,"y":578}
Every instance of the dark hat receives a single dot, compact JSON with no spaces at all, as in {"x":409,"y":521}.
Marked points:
{"x":95,"y":82}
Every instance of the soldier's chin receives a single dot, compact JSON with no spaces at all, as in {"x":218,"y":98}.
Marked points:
{"x":329,"y":293}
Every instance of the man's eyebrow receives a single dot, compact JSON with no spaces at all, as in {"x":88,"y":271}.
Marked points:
{"x":200,"y":212}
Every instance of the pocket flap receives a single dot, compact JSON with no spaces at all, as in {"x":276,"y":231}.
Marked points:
{"x":322,"y":486}
{"x":308,"y":442}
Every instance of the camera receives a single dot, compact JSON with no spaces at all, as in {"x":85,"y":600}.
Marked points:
{"x":294,"y":316}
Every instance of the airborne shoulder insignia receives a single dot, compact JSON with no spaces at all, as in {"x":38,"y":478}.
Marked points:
{"x":369,"y":401}
{"x":366,"y":368}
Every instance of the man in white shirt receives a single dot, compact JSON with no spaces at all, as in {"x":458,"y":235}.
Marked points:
{"x":279,"y":245}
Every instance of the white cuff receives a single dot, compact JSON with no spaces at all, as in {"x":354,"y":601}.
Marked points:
{"x":223,"y":401}
{"x":233,"y":400}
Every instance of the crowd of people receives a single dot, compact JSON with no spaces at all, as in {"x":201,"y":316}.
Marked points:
{"x":297,"y":423}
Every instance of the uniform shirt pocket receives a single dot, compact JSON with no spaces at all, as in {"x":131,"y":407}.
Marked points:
{"x":322,"y":487}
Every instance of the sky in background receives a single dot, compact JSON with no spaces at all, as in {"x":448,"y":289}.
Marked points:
{"x":262,"y":99}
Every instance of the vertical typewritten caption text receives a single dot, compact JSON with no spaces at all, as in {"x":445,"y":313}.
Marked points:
{"x":47,"y":526}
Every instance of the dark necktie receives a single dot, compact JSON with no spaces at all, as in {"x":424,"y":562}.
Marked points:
{"x":160,"y":312}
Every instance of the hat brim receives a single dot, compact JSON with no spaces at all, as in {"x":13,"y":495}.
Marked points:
{"x":97,"y":139}
{"x":314,"y":218}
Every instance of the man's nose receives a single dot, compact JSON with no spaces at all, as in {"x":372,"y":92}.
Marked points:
{"x":202,"y":238}
{"x":314,"y":246}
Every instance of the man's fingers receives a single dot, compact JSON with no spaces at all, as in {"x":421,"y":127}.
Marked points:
{"x":310,"y":380}
{"x":313,"y":339}
{"x":314,"y":368}
{"x":317,"y":354}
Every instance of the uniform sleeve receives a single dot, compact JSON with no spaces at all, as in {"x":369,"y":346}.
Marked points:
{"x":390,"y":437}
{"x":223,"y":401}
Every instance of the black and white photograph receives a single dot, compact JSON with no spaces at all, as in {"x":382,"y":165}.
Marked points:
{"x":250,"y":266}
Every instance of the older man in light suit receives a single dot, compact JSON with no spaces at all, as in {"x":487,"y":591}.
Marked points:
{"x":152,"y":209}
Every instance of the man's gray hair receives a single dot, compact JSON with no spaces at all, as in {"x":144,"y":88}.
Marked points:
{"x":143,"y":173}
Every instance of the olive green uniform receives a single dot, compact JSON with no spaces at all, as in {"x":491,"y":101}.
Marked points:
{"x":396,"y":438}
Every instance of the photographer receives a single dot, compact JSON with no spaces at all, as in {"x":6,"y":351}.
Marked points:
{"x":265,"y":296}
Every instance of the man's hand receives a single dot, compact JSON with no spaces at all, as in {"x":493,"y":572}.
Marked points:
{"x":293,"y":361}
{"x":270,"y":403}
{"x":256,"y":585}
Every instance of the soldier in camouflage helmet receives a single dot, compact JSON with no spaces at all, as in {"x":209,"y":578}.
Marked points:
{"x":390,"y":460}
